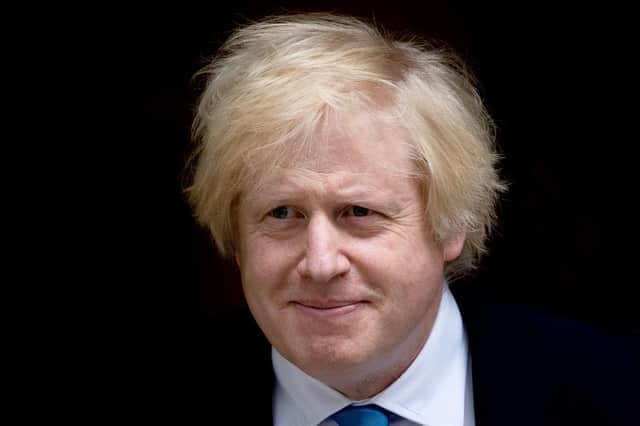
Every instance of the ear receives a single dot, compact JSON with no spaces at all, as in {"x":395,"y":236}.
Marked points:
{"x":452,"y":246}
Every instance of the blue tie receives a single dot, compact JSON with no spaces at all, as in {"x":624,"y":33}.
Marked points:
{"x":363,"y":415}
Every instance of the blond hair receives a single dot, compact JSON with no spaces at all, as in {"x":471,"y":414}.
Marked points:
{"x":272,"y":83}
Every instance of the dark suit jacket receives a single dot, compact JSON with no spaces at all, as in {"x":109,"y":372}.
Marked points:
{"x":528,"y":369}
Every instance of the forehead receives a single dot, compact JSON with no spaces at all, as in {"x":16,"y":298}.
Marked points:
{"x":358,"y":142}
{"x":361,"y":150}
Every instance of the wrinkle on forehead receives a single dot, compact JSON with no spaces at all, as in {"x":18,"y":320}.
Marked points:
{"x":289,"y":182}
{"x":359,"y":144}
{"x":362,"y":140}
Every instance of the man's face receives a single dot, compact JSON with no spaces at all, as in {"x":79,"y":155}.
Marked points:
{"x":338,"y":264}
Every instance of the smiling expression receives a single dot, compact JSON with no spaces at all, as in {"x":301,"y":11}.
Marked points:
{"x":338,"y":263}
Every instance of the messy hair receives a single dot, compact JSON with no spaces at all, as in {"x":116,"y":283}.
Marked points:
{"x":273,"y":81}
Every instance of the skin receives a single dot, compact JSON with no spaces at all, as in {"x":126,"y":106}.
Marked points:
{"x":339,"y":266}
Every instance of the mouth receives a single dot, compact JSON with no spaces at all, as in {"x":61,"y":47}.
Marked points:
{"x":329,"y":309}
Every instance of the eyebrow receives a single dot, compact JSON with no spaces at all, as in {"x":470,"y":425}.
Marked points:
{"x":367,"y":194}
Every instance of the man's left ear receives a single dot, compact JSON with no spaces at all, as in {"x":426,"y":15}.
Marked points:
{"x":452,"y":246}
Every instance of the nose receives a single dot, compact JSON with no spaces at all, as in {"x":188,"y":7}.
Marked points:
{"x":324,"y":257}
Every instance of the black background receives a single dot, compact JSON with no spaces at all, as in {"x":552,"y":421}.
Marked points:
{"x":113,"y":275}
{"x":557,"y":80}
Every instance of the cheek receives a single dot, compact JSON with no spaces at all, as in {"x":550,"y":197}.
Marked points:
{"x":404,"y":250}
{"x":265,"y":264}
{"x":409,"y":270}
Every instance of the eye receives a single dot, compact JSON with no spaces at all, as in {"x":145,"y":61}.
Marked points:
{"x":281,"y":212}
{"x":359,"y":211}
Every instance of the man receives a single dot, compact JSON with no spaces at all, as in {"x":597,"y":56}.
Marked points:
{"x":351,"y":177}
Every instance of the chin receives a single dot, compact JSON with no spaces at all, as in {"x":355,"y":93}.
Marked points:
{"x":329,"y":353}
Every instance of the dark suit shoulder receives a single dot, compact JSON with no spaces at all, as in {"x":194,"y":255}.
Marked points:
{"x":558,"y":370}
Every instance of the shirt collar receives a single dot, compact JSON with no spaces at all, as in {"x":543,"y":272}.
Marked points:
{"x":430,"y":391}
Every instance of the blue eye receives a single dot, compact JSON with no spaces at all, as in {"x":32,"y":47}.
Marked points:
{"x":281,"y":212}
{"x":360,"y":211}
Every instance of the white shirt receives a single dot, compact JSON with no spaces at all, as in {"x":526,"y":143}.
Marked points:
{"x":436,"y":389}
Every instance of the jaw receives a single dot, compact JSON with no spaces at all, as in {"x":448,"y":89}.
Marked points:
{"x":361,"y":365}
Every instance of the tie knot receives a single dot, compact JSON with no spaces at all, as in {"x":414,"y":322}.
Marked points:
{"x":363,"y":415}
